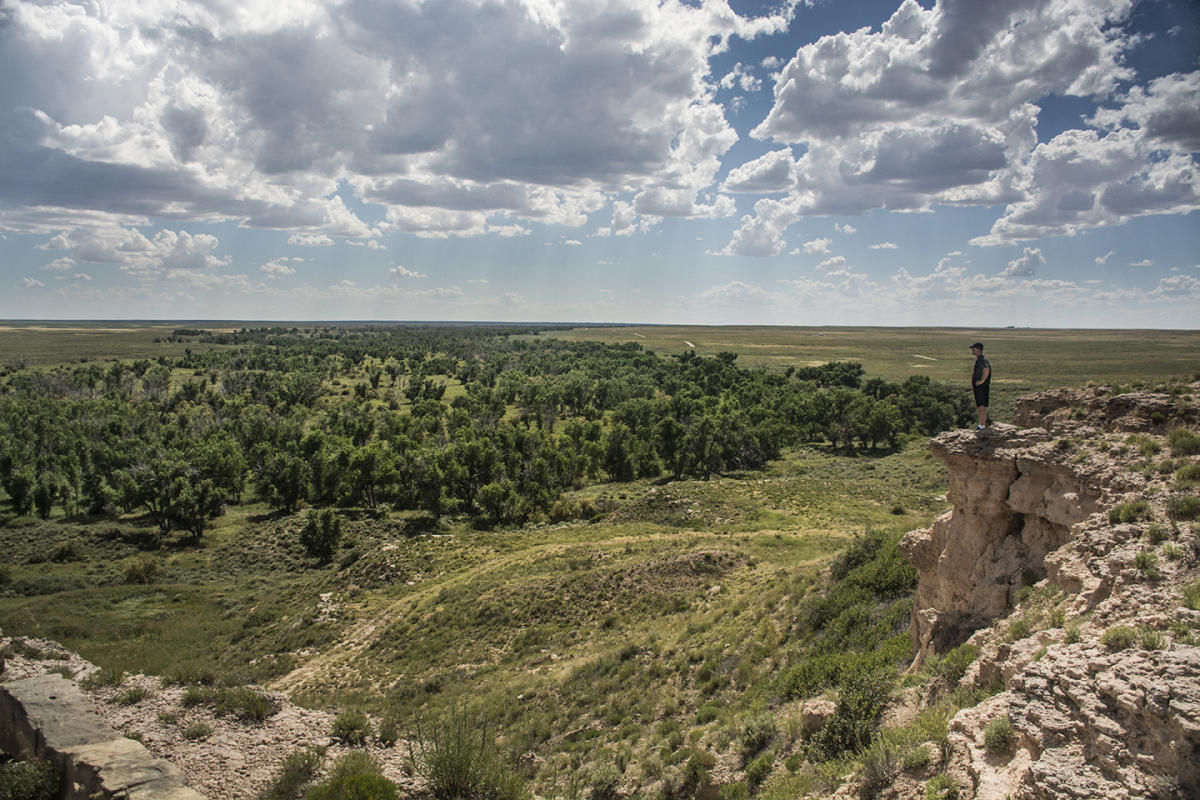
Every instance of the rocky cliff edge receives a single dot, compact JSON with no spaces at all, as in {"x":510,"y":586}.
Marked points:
{"x":1067,"y":565}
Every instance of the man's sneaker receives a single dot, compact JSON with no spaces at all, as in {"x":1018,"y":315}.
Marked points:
{"x":980,"y":427}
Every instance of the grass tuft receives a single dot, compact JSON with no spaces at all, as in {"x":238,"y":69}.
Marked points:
{"x":998,"y":737}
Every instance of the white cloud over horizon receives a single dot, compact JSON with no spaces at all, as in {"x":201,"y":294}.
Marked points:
{"x":181,"y":154}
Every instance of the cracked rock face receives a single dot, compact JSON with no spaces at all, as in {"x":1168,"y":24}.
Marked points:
{"x":1101,"y":724}
{"x":1030,"y":560}
{"x":1014,"y":503}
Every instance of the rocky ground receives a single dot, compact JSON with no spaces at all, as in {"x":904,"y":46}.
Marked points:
{"x":236,"y":760}
{"x":1067,"y":554}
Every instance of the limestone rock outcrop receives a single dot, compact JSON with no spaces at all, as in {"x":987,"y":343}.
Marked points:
{"x":1064,"y":564}
{"x":1015,"y":501}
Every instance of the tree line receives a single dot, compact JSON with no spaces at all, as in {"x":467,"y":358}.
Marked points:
{"x":361,"y":417}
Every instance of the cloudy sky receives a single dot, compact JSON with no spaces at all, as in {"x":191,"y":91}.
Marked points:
{"x":960,"y":162}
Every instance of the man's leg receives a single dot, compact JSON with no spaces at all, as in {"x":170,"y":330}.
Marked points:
{"x":982,"y":416}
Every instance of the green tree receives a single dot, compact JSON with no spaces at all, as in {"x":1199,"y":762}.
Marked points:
{"x":283,"y":481}
{"x":321,"y":534}
{"x":191,"y":504}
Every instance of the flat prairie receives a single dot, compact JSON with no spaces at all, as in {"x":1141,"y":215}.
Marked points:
{"x":1023,"y":359}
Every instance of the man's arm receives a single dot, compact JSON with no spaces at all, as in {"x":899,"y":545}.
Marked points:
{"x":987,"y":373}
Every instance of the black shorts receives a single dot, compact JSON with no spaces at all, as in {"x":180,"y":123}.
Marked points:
{"x":981,"y":394}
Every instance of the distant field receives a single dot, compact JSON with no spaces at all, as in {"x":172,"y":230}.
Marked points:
{"x":1023,"y":360}
{"x":44,"y":343}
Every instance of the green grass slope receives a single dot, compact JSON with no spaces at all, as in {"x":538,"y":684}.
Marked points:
{"x":654,"y":637}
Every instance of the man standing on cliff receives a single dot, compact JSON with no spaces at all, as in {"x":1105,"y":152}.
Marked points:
{"x":981,"y":382}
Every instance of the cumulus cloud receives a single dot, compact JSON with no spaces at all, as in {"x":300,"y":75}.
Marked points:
{"x":1025,"y":265}
{"x":136,"y":253}
{"x":939,"y":106}
{"x":742,"y":77}
{"x":830,"y":264}
{"x":64,"y":264}
{"x":817,"y":245}
{"x":266,"y":115}
{"x":884,"y":246}
{"x":32,"y":283}
{"x":1081,"y":179}
{"x":310,"y":240}
{"x":773,"y":172}
{"x":1145,"y":262}
{"x":400,"y":272}
{"x":277,"y":268}
{"x":1104,"y":258}
{"x":840,"y":228}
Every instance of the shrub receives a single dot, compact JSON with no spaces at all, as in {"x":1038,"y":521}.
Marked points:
{"x":733,"y":791}
{"x":352,"y":728}
{"x":1119,"y":637}
{"x":1150,"y":639}
{"x":70,"y":550}
{"x":1183,"y":506}
{"x":457,"y":758}
{"x":142,"y":570}
{"x":103,"y":677}
{"x":321,"y":533}
{"x":389,"y":730}
{"x":756,"y":734}
{"x":132,"y":696}
{"x":197,"y":731}
{"x":355,"y":776}
{"x":1172,"y":551}
{"x":1188,"y":475}
{"x":244,"y":703}
{"x":1156,"y":533}
{"x":300,"y":767}
{"x":880,"y":763}
{"x":29,"y":780}
{"x":1183,"y":442}
{"x":195,"y":695}
{"x":1128,"y":512}
{"x":998,"y":737}
{"x":1146,"y":561}
{"x":1191,"y":595}
{"x":603,"y":783}
{"x":1148,"y":447}
{"x":862,"y":697}
{"x":758,"y":770}
{"x":707,"y":713}
{"x":942,"y":787}
{"x":917,"y":758}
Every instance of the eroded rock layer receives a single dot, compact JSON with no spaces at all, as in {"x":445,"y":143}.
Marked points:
{"x":1069,"y":564}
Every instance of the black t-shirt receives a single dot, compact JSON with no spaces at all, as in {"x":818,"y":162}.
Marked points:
{"x":981,"y":363}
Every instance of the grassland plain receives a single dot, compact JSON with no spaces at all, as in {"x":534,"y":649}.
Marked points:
{"x":640,"y":638}
{"x":1024,"y":359}
{"x":654,"y":637}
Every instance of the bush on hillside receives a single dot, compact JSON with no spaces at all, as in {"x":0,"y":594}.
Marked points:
{"x":352,"y":728}
{"x":457,"y":758}
{"x":849,"y":729}
{"x":1183,"y":442}
{"x":355,"y":776}
{"x":321,"y":533}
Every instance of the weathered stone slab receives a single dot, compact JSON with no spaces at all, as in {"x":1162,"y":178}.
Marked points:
{"x":48,"y":717}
